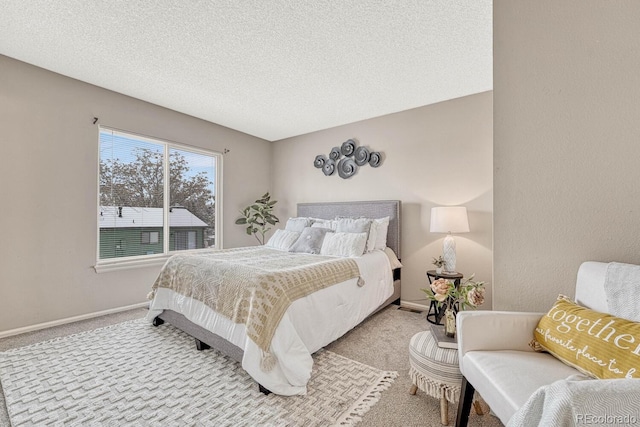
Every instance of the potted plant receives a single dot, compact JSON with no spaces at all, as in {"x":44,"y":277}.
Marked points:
{"x":258,"y":217}
{"x":439,"y":263}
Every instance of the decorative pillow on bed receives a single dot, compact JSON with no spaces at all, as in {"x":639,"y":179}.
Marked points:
{"x":598,"y":344}
{"x":297,"y":224}
{"x":324,"y":223}
{"x":282,"y":239}
{"x":310,"y":240}
{"x":371,"y":238}
{"x":353,"y":225}
{"x":382,"y":227}
{"x":378,"y":234}
{"x":344,"y":244}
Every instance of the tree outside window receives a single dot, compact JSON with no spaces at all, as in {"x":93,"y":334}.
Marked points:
{"x":133,"y":195}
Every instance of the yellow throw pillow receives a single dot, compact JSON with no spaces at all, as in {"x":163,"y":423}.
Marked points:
{"x":597,"y":344}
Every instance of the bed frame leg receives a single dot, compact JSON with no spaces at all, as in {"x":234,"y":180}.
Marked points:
{"x":201,"y":346}
{"x":263,"y":390}
{"x":396,"y":302}
{"x":157,"y":321}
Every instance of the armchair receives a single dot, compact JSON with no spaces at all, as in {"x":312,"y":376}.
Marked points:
{"x":500,"y":365}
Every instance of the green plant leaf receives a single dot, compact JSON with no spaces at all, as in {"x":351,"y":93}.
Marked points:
{"x":258,"y":217}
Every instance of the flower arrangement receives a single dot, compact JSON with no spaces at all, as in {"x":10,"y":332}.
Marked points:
{"x":449,"y":296}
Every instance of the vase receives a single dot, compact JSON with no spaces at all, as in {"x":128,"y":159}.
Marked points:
{"x":438,"y":270}
{"x":449,"y":323}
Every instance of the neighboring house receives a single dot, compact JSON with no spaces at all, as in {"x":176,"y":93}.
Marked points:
{"x":131,"y":231}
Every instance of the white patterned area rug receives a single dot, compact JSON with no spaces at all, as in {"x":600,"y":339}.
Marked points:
{"x":134,"y":374}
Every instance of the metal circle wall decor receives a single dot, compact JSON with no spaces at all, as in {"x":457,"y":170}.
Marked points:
{"x":348,"y":147}
{"x":375,"y":159}
{"x":361,"y":156}
{"x":347,"y":167}
{"x":347,"y":159}
{"x":329,"y":167}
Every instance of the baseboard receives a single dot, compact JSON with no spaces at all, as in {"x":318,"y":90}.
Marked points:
{"x":17,"y":331}
{"x":414,"y":306}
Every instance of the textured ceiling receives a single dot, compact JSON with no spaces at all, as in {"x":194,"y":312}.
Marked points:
{"x":272,"y":69}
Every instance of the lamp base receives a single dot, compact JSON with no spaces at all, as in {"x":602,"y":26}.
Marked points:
{"x":449,"y":254}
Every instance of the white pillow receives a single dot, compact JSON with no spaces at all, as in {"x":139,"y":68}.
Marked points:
{"x":324,"y":223}
{"x":353,"y":225}
{"x":373,"y":233}
{"x":297,"y":224}
{"x":344,"y":244}
{"x":378,"y":234}
{"x":282,"y":239}
{"x":382,"y":227}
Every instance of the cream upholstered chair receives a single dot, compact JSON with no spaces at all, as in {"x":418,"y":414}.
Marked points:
{"x":495,"y":357}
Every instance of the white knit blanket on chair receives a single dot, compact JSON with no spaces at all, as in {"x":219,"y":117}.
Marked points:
{"x":579,"y":400}
{"x":622,"y":287}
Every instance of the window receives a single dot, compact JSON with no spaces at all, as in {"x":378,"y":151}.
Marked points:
{"x":155,"y":197}
{"x":185,"y":240}
{"x":149,"y":237}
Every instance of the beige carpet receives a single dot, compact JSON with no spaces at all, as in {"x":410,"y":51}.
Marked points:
{"x":381,"y":341}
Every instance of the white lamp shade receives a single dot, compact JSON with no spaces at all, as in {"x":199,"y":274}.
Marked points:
{"x":449,"y":219}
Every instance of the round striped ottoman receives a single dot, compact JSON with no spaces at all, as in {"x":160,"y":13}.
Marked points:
{"x":435,"y":371}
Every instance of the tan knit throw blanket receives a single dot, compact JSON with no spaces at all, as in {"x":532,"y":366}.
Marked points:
{"x":253,"y":285}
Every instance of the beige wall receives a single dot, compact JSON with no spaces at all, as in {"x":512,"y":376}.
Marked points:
{"x":48,"y":190}
{"x":567,"y":144}
{"x":565,"y":167}
{"x":434,"y":155}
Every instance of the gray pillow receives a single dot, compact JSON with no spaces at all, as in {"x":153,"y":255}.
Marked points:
{"x":310,"y":240}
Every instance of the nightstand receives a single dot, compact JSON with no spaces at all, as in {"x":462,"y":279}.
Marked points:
{"x":434,"y":315}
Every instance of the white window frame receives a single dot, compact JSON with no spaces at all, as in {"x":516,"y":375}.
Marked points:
{"x":114,"y":264}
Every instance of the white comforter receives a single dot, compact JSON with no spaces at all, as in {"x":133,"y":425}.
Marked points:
{"x":309,"y":324}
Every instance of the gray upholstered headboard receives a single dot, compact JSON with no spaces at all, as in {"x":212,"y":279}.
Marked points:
{"x":368,"y":209}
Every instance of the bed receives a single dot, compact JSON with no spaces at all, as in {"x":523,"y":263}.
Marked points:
{"x":309,"y":322}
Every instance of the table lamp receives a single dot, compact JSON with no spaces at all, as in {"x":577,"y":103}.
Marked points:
{"x":449,"y":219}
